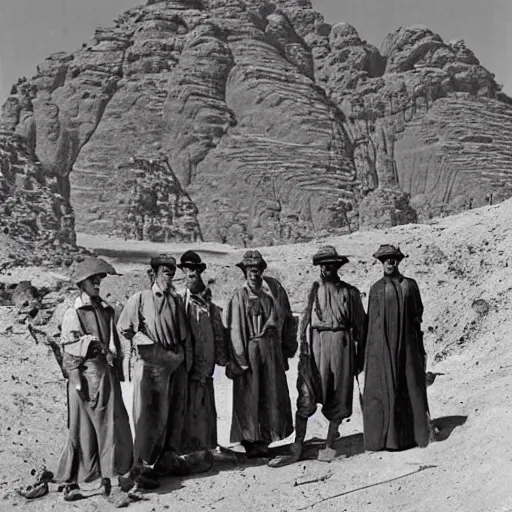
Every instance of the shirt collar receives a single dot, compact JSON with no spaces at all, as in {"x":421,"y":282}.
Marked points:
{"x":84,"y":301}
{"x":158,"y":291}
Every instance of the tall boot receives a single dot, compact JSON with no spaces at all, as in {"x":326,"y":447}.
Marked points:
{"x":328,"y":453}
{"x":301,"y":425}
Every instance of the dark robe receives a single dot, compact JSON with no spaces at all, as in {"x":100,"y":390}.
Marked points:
{"x":396,"y":414}
{"x":258,"y":353}
{"x":209,"y":344}
{"x":333,"y":329}
{"x":99,"y":440}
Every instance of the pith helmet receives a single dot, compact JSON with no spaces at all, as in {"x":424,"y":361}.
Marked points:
{"x":90,"y":267}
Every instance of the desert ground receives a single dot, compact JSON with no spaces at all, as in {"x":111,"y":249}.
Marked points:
{"x":463,"y":266}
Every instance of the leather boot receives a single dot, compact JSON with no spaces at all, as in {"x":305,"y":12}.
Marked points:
{"x":301,"y":425}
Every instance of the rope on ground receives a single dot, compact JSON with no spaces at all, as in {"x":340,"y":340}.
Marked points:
{"x":419,"y":470}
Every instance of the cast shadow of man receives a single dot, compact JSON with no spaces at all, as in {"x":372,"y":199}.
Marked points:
{"x":446,"y":425}
{"x":203,"y":467}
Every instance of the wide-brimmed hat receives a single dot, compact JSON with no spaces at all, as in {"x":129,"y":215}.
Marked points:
{"x":252,"y":259}
{"x":329,"y":254}
{"x":162,"y":259}
{"x":90,"y":267}
{"x":389,"y":251}
{"x":191,"y":259}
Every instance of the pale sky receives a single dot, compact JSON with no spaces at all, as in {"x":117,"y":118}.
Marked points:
{"x":32,"y":29}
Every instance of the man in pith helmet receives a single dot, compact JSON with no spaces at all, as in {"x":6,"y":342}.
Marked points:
{"x":396,"y":413}
{"x":262,"y":338}
{"x":99,"y":441}
{"x":154,"y":323}
{"x":210,"y":348}
{"x":332,"y":333}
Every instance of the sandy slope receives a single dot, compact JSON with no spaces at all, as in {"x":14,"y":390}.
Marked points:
{"x":456,"y":261}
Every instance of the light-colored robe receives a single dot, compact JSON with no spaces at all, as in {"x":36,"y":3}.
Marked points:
{"x":259,"y":347}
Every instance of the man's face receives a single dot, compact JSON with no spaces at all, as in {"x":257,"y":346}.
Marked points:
{"x":328,"y":270}
{"x":192,"y":277}
{"x":164,"y":276}
{"x":91,"y":286}
{"x":254,"y":277}
{"x":390,"y":266}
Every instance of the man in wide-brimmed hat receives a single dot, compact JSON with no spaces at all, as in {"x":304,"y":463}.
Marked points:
{"x":332,"y":333}
{"x":262,"y":333}
{"x":154,"y":323}
{"x":209,"y":344}
{"x":99,"y":441}
{"x":396,"y":414}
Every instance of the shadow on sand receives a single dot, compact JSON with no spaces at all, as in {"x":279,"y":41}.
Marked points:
{"x":446,"y":425}
{"x":348,"y":446}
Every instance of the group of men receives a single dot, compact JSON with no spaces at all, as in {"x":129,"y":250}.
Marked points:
{"x":168,"y":343}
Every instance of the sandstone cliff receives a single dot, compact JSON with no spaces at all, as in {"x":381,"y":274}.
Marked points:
{"x":278,"y":125}
{"x":35,"y":220}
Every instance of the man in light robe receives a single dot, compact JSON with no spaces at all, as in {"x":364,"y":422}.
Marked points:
{"x":154,"y":324}
{"x":396,"y":412}
{"x":262,"y":334}
{"x":209,"y":347}
{"x":99,"y":442}
{"x":332,"y":333}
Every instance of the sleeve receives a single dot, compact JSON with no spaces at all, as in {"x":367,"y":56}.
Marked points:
{"x":71,"y":342}
{"x":70,"y":331}
{"x":220,"y":336}
{"x":359,"y":322}
{"x":289,"y":333}
{"x":305,"y":319}
{"x":418,"y":318}
{"x":127,"y":327}
{"x":237,"y":334}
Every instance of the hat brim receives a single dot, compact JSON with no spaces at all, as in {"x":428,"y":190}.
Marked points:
{"x":262,"y":266}
{"x":195,"y":266}
{"x":383,"y":257}
{"x":340,"y":260}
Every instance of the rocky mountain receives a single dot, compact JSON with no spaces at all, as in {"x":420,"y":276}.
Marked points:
{"x":36,"y":221}
{"x":277,"y":125}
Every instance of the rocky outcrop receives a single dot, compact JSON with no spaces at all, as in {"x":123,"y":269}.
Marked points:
{"x":35,"y":219}
{"x":279,"y":125}
{"x":159,"y":209}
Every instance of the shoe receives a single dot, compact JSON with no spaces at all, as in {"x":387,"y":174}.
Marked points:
{"x":32,"y":492}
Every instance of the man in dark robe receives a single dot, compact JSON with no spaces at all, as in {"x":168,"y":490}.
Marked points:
{"x":262,"y":337}
{"x":154,"y":323}
{"x":99,"y":440}
{"x":209,"y":347}
{"x":396,"y":413}
{"x":332,"y":332}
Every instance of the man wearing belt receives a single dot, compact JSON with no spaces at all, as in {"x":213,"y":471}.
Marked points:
{"x":154,"y":322}
{"x":332,"y":333}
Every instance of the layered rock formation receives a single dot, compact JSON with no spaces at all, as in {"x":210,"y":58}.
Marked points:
{"x":279,"y":125}
{"x":31,"y":209}
{"x":159,"y":209}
